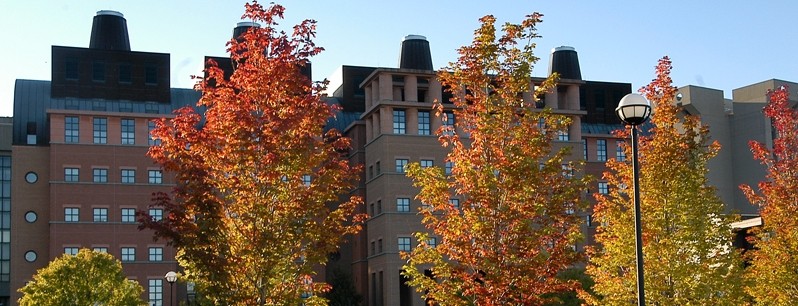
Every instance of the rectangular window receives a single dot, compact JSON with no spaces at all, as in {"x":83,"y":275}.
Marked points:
{"x":399,"y":121}
{"x":455,"y":203}
{"x":71,"y":214}
{"x":155,"y":292}
{"x":379,"y":169}
{"x":620,"y":155}
{"x":584,"y":148}
{"x":448,"y":123}
{"x":589,"y":220}
{"x":432,"y":242}
{"x":124,"y":73}
{"x":448,"y":168}
{"x":100,"y":175}
{"x":371,"y":209}
{"x":100,"y":249}
{"x":128,"y":176}
{"x":423,"y":123}
{"x":379,"y":246}
{"x":402,"y":204}
{"x":400,"y":165}
{"x":156,"y":254}
{"x":150,"y":128}
{"x":71,"y":129}
{"x":71,"y":174}
{"x":567,"y":171}
{"x":150,"y":75}
{"x":603,"y":188}
{"x":379,"y":206}
{"x":373,"y":248}
{"x":601,"y":149}
{"x":426,"y":163}
{"x":404,"y":244}
{"x":155,"y":177}
{"x":100,"y":128}
{"x":71,"y":251}
{"x":128,"y":254}
{"x":100,"y":214}
{"x":563,"y":136}
{"x":71,"y":69}
{"x":156,"y":214}
{"x":306,"y":180}
{"x":98,"y":71}
{"x":128,"y":215}
{"x":371,"y":172}
{"x":128,"y":131}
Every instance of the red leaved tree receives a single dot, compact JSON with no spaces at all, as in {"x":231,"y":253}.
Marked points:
{"x":256,"y":174}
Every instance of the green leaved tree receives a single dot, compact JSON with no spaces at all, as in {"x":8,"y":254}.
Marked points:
{"x":87,"y":278}
{"x":687,"y":249}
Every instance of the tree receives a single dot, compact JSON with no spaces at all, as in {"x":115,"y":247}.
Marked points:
{"x":774,"y":261}
{"x":688,"y":257}
{"x":87,"y":278}
{"x":252,"y":213}
{"x":343,"y":291}
{"x":515,"y":229}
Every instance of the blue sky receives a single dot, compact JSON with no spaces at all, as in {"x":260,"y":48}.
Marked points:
{"x":716,"y":44}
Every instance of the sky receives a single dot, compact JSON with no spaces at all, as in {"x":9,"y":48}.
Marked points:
{"x":716,"y":44}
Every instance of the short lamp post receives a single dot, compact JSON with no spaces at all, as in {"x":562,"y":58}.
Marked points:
{"x":634,"y":110}
{"x":171,"y":278}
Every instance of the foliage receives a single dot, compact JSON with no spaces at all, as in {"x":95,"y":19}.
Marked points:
{"x":688,"y":257}
{"x":515,"y":228}
{"x":252,"y":213}
{"x":87,"y":278}
{"x":343,"y":292}
{"x":571,"y":298}
{"x":774,"y":261}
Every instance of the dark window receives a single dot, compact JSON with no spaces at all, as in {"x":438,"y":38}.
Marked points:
{"x":124,"y":73}
{"x":151,"y":75}
{"x":98,"y":71}
{"x":71,"y":69}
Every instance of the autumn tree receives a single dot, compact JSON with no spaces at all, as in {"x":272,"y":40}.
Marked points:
{"x":774,"y":261}
{"x":515,"y":228}
{"x":251,"y":215}
{"x":688,"y":257}
{"x":87,"y":278}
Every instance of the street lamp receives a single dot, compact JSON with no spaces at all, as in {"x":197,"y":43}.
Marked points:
{"x":171,"y":278}
{"x":634,"y":110}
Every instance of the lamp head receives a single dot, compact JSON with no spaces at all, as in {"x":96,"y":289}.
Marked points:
{"x":633,"y":109}
{"x":171,"y":277}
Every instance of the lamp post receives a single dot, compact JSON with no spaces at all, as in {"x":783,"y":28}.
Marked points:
{"x":171,"y":278}
{"x":634,"y":110}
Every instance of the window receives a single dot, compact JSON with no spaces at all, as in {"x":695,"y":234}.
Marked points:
{"x":100,"y":214}
{"x":71,"y":129}
{"x":404,"y":244}
{"x":403,"y":204}
{"x":151,"y":75}
{"x":567,"y":171}
{"x":71,"y":174}
{"x":620,"y":155}
{"x":448,"y":123}
{"x":71,"y":69}
{"x":455,"y":203}
{"x":71,"y":251}
{"x":128,"y":254}
{"x":155,"y":291}
{"x":373,"y":248}
{"x":379,"y":206}
{"x":432,"y":242}
{"x":156,"y":214}
{"x":98,"y":71}
{"x":379,"y":169}
{"x":155,"y":177}
{"x":371,"y":209}
{"x":603,"y":188}
{"x":100,"y":175}
{"x":128,"y":176}
{"x":448,"y":168}
{"x":423,"y":123}
{"x":150,"y":140}
{"x":100,"y":249}
{"x":71,"y":214}
{"x":128,"y":215}
{"x":379,"y":246}
{"x":584,"y":148}
{"x":400,"y":165}
{"x":128,"y":131}
{"x":100,"y":128}
{"x":426,"y":163}
{"x":156,"y":254}
{"x":371,"y":172}
{"x":124,"y":73}
{"x":563,"y":135}
{"x":399,"y":121}
{"x":306,"y":180}
{"x":589,"y":220}
{"x":601,"y":150}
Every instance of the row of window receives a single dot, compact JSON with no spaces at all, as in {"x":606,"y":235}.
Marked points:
{"x":98,"y":71}
{"x":100,"y":175}
{"x":403,"y":244}
{"x":424,"y":126}
{"x":100,"y":214}
{"x":100,"y":130}
{"x":401,"y":164}
{"x":601,"y":150}
{"x":403,"y":205}
{"x":128,"y":254}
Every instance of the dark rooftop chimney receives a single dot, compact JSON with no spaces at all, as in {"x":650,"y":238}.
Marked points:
{"x":565,"y":61}
{"x":109,"y":32}
{"x":415,"y":53}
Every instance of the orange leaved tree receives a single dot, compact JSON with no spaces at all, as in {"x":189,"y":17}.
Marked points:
{"x":256,"y":174}
{"x":774,"y":261}
{"x":515,"y":228}
{"x":688,"y":257}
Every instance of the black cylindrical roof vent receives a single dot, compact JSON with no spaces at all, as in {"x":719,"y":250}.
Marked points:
{"x":242,"y":28}
{"x":415,"y":53}
{"x":109,"y":32}
{"x":565,"y":61}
